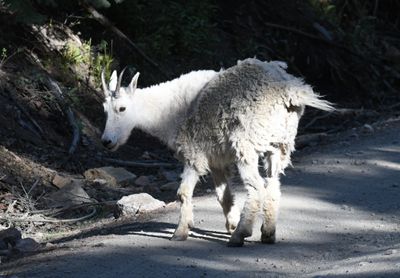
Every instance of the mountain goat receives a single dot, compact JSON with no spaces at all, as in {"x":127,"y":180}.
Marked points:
{"x":214,"y":120}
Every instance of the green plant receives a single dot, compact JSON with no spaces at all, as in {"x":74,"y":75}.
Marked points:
{"x":184,"y":28}
{"x":74,"y":54}
{"x":3,"y":56}
{"x":102,"y":60}
{"x":94,"y":58}
{"x":325,"y":8}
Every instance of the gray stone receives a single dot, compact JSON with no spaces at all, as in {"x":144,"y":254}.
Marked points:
{"x":71,"y":194}
{"x":171,"y":186}
{"x":114,"y":176}
{"x":170,"y":175}
{"x":367,"y":129}
{"x":27,"y":245}
{"x":60,"y":181}
{"x":137,"y":203}
{"x":144,"y":180}
{"x":9,"y":236}
{"x":390,"y":252}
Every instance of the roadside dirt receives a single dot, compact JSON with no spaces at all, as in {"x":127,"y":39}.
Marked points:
{"x":339,"y":217}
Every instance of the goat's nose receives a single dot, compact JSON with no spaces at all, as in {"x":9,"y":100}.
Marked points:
{"x":106,"y":142}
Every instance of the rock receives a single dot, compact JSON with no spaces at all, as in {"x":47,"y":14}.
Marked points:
{"x":150,"y":188}
{"x":9,"y":236}
{"x":367,"y":129}
{"x":390,"y":252}
{"x":113,"y":175}
{"x":354,"y":134}
{"x":170,"y":175}
{"x":71,"y":194}
{"x":60,"y":181}
{"x":146,"y":155}
{"x":136,"y":203}
{"x":144,"y":180}
{"x":27,"y":245}
{"x":171,"y":186}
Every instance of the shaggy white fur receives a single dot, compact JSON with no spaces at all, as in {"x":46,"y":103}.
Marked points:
{"x":215,"y":120}
{"x":158,"y":110}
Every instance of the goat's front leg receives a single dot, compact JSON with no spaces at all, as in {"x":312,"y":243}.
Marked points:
{"x":271,"y":198}
{"x":255,"y":185}
{"x":185,"y":193}
{"x":226,"y":198}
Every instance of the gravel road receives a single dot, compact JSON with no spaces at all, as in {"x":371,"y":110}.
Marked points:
{"x":339,"y":217}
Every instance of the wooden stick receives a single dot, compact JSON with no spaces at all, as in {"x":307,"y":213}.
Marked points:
{"x":138,"y":164}
{"x":107,"y":23}
{"x":47,"y":220}
{"x":307,"y":139}
{"x":68,"y":111}
{"x":26,"y":113}
{"x":313,"y":37}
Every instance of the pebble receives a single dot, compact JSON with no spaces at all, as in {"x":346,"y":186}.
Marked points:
{"x":390,"y":252}
{"x":345,"y":207}
{"x":354,"y":135}
{"x":367,"y":129}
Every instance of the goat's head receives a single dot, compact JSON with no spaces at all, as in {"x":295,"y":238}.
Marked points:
{"x":117,"y":105}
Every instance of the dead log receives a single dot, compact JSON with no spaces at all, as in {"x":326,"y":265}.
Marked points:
{"x":108,"y":24}
{"x":68,"y":111}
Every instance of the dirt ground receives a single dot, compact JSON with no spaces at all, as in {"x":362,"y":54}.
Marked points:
{"x":339,"y":218}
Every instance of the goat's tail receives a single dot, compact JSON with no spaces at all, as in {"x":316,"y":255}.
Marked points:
{"x":305,"y":96}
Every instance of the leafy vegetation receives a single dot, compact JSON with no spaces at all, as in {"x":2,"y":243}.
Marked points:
{"x":341,"y":42}
{"x":167,"y":28}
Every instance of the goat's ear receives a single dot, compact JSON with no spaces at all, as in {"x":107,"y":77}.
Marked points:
{"x":133,"y":84}
{"x":113,"y":81}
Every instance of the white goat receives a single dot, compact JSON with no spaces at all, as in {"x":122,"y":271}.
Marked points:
{"x":213,"y":120}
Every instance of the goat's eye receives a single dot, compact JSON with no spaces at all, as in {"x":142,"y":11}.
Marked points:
{"x":122,"y":109}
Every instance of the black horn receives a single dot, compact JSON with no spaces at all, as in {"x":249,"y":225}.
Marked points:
{"x":119,"y":82}
{"x":103,"y":82}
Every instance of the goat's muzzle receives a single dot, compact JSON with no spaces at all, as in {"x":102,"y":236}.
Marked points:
{"x":107,"y":143}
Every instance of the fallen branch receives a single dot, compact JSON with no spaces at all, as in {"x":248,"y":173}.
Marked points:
{"x":310,"y":123}
{"x":138,"y":164}
{"x":108,"y":24}
{"x":26,"y":113}
{"x":313,"y":37}
{"x":308,"y":139}
{"x":68,"y":111}
{"x":49,"y":220}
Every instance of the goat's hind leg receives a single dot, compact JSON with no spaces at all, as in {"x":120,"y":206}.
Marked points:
{"x":271,"y":198}
{"x":225,"y":198}
{"x":185,"y":193}
{"x":255,"y":185}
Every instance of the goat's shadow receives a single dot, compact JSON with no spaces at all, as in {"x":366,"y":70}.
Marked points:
{"x":151,"y":229}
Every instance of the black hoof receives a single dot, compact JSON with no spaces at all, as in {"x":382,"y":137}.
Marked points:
{"x":235,"y":244}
